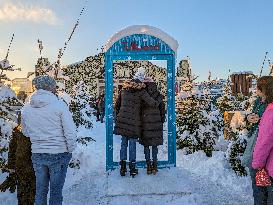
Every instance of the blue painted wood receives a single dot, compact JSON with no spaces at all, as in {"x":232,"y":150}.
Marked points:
{"x":142,"y":164}
{"x":140,"y":47}
{"x":143,"y":43}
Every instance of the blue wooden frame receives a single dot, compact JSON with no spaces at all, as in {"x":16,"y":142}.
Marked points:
{"x":140,"y":47}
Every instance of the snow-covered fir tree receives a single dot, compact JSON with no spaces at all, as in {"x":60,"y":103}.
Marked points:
{"x":81,"y":112}
{"x":226,"y":102}
{"x":7,"y":121}
{"x":238,"y":130}
{"x":238,"y":142}
{"x":8,"y":117}
{"x":195,"y":129}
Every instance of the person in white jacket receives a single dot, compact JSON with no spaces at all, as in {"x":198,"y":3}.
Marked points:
{"x":47,"y":121}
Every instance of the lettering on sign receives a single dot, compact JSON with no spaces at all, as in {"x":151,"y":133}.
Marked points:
{"x":135,"y":47}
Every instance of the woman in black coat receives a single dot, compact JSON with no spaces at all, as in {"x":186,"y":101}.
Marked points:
{"x":152,"y":126}
{"x":128,"y":120}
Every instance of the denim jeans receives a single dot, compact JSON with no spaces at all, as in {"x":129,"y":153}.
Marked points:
{"x":132,"y":149}
{"x":50,"y":168}
{"x":261,"y":195}
{"x":147,"y":153}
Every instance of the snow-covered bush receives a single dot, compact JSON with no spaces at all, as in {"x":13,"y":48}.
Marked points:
{"x":80,"y":108}
{"x":8,"y":120}
{"x":195,"y":130}
{"x":237,"y":145}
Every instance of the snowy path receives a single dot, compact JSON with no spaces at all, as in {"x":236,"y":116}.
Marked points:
{"x":95,"y":190}
{"x":197,"y":180}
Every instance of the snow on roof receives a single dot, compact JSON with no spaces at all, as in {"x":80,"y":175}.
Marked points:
{"x":74,"y":64}
{"x":142,"y":29}
{"x":242,"y":72}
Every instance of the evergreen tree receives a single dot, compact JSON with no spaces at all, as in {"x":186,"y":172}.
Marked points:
{"x":7,"y":122}
{"x":194,"y":123}
{"x":226,"y":102}
{"x":238,"y":143}
{"x":80,"y":108}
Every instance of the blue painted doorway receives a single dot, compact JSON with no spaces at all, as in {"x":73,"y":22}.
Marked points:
{"x":139,"y":43}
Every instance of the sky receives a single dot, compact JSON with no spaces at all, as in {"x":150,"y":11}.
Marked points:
{"x":217,"y":35}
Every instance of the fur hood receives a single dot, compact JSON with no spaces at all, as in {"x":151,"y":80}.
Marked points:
{"x":133,"y":85}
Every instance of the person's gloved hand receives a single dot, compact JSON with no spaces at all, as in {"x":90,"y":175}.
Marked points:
{"x":10,"y":183}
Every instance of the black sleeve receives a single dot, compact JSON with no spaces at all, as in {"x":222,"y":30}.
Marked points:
{"x":162,"y":111}
{"x":118,"y":103}
{"x":148,"y":99}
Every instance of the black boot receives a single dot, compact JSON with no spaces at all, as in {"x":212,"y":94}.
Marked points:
{"x":154,"y":169}
{"x":149,"y":167}
{"x":123,"y":169}
{"x":133,"y":169}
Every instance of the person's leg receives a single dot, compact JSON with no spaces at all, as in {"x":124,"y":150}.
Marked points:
{"x":123,"y":155}
{"x":98,"y":114}
{"x":270,"y":193}
{"x":132,"y":150}
{"x":102,"y":116}
{"x":154,"y":153}
{"x":123,"y":148}
{"x":57,"y":171}
{"x":132,"y":157}
{"x":148,"y":159}
{"x":154,"y":164}
{"x":259,"y":193}
{"x":42,"y":178}
{"x":147,"y":153}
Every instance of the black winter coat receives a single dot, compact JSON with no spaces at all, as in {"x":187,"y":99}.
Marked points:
{"x":128,"y":109}
{"x":153,"y":118}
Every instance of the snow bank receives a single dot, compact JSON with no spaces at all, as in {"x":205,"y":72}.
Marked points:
{"x":197,"y":180}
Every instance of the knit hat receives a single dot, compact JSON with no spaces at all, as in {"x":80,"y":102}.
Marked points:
{"x":140,"y":74}
{"x":44,"y":82}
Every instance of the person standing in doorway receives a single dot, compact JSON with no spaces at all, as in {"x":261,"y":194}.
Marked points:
{"x":128,"y":118}
{"x":152,"y":125}
{"x":47,"y":121}
{"x":101,"y":107}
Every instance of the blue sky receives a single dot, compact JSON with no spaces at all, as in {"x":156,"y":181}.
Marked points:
{"x":218,"y":35}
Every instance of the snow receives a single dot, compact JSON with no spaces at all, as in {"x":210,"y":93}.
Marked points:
{"x":197,"y":180}
{"x":242,"y":72}
{"x":6,"y":92}
{"x":238,"y":120}
{"x":142,"y":29}
{"x":5,"y":64}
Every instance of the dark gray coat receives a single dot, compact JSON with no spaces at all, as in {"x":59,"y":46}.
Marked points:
{"x":128,"y":109}
{"x":153,"y":118}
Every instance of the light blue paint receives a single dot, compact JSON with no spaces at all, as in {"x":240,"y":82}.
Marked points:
{"x":162,"y":51}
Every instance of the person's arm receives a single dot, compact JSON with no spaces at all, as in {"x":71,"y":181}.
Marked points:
{"x":264,"y":142}
{"x":162,"y":111}
{"x":148,"y":99}
{"x":118,"y":104}
{"x":69,"y":128}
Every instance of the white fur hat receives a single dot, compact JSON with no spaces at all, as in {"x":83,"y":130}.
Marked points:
{"x":140,"y":74}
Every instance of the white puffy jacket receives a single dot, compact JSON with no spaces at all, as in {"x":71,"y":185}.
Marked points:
{"x":47,"y":121}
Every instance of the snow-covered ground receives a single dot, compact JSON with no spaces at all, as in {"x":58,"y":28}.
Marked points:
{"x":196,"y":180}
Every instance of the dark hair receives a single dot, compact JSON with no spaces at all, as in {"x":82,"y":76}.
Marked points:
{"x":265,"y":85}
